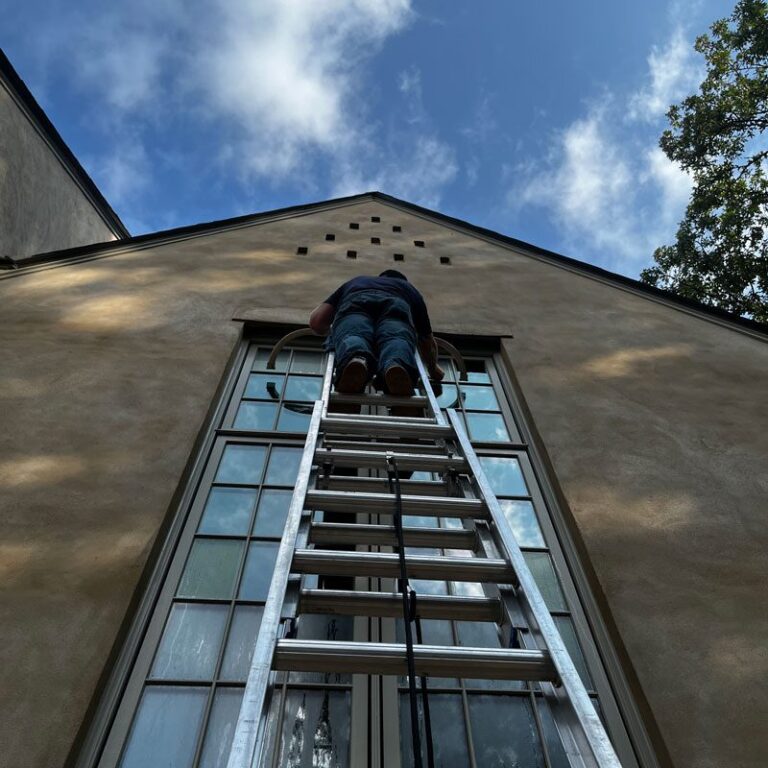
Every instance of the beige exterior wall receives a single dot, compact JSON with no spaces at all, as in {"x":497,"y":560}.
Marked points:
{"x":654,"y":421}
{"x":42,"y":206}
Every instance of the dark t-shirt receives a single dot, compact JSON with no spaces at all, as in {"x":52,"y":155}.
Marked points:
{"x":396,"y":287}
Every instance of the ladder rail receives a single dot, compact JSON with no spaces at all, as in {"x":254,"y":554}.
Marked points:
{"x":247,"y":740}
{"x":595,"y":739}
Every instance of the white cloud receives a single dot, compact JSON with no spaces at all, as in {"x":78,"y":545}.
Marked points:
{"x":284,"y":72}
{"x":610,"y":191}
{"x":280,"y":82}
{"x":418,"y":173}
{"x":673,"y":72}
{"x":124,"y":172}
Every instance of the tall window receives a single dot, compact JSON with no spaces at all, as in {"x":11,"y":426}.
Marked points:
{"x":183,"y":694}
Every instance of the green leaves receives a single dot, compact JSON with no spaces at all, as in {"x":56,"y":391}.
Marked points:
{"x":720,"y":254}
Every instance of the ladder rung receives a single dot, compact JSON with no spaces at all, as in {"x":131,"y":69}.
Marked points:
{"x":380,"y":445}
{"x":347,"y":483}
{"x":330,"y":563}
{"x":390,"y":659}
{"x":384,"y":535}
{"x":378,"y":460}
{"x":379,"y":400}
{"x":384,"y":504}
{"x":389,"y":427}
{"x":346,"y":603}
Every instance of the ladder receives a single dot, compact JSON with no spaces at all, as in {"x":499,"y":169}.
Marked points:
{"x":535,"y":650}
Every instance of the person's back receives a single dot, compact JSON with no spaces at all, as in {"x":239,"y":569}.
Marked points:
{"x":375,"y":324}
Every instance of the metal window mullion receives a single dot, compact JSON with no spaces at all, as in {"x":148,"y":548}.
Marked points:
{"x":249,"y":731}
{"x":230,"y":613}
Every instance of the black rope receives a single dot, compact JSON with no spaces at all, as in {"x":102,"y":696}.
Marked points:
{"x":409,"y":615}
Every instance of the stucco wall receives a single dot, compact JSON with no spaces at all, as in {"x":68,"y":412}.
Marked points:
{"x":42,"y":208}
{"x":655,"y":422}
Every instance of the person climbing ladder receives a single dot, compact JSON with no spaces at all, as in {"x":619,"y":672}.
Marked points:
{"x":375,"y":325}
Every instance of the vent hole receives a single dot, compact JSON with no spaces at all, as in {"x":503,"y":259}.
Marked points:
{"x":351,"y":254}
{"x":399,"y":257}
{"x":445,"y":259}
{"x":302,"y":249}
{"x":397,"y":228}
{"x":354,"y":225}
{"x":375,"y":219}
{"x":376,"y":240}
{"x":330,"y":237}
{"x":418,"y":243}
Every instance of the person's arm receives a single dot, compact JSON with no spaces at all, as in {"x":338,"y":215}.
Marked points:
{"x":321,"y":318}
{"x":427,"y":344}
{"x":428,"y":352}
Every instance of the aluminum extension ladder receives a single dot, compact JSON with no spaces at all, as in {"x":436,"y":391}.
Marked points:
{"x":542,"y":656}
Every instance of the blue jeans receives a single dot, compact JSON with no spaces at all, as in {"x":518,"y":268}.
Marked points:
{"x":376,"y":326}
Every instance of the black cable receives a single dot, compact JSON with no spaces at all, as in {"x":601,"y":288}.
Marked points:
{"x":409,"y":615}
{"x":424,"y":691}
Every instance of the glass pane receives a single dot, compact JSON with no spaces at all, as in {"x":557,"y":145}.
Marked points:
{"x":449,"y":736}
{"x":241,"y":464}
{"x":434,"y":632}
{"x":264,"y":386}
{"x":450,"y":397}
{"x":259,"y":566}
{"x":273,"y":509}
{"x":241,"y":642}
{"x":304,"y":388}
{"x":221,"y":727}
{"x":315,"y":730}
{"x":228,"y":510}
{"x":308,"y":362}
{"x":477,"y":372}
{"x":255,"y":415}
{"x":478,"y":634}
{"x":487,"y":428}
{"x":504,"y":731}
{"x":294,"y":417}
{"x":504,"y":475}
{"x":468,"y":588}
{"x":283,"y":466}
{"x":428,"y":587}
{"x":522,"y":517}
{"x":191,"y":641}
{"x":568,"y":632}
{"x":211,"y":568}
{"x":479,"y":398}
{"x":421,"y":521}
{"x":165,"y":729}
{"x":322,"y":627}
{"x":281,"y":363}
{"x":557,"y":756}
{"x":544,"y":574}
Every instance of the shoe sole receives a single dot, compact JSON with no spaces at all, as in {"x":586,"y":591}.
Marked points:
{"x":353,"y":378}
{"x":398,"y":381}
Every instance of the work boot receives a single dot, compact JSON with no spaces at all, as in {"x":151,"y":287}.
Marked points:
{"x":353,"y":378}
{"x":398,"y":381}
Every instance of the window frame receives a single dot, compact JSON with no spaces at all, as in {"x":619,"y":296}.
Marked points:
{"x":139,"y":641}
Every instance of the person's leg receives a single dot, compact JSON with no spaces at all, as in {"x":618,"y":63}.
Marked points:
{"x":396,"y":345}
{"x":352,"y":336}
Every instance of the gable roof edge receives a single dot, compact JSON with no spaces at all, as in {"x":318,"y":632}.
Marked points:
{"x":27,"y":104}
{"x":697,"y":309}
{"x":659,"y":295}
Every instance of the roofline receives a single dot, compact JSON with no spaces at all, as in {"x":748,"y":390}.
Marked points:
{"x":35,"y":113}
{"x":97,"y":250}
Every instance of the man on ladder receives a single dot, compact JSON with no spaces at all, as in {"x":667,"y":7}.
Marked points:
{"x":375,"y":325}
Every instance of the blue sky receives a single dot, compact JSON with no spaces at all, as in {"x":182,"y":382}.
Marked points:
{"x":539,"y":120}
